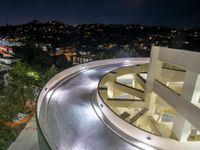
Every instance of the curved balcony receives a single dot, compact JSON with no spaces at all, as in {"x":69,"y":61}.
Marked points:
{"x":72,"y":112}
{"x":66,"y":115}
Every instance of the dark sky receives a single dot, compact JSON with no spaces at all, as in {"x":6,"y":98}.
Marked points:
{"x":175,"y":13}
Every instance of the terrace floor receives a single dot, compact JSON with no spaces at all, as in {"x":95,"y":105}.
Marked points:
{"x":28,"y":139}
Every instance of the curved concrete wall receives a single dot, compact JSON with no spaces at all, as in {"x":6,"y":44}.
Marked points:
{"x":49,"y":88}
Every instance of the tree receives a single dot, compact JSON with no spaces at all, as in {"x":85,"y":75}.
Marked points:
{"x":28,"y":52}
{"x":20,"y":85}
{"x":103,"y":55}
{"x":34,"y":56}
{"x":42,"y":62}
{"x":48,"y":75}
{"x":62,"y":62}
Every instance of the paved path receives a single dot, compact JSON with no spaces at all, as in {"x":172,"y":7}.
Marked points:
{"x":28,"y":139}
{"x":73,"y":123}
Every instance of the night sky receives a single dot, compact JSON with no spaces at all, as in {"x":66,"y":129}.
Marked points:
{"x":174,"y":13}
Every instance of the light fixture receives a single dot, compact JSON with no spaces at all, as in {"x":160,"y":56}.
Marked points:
{"x":82,"y":67}
{"x":127,"y":61}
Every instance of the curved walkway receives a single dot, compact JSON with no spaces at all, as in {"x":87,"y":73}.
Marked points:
{"x":66,"y":115}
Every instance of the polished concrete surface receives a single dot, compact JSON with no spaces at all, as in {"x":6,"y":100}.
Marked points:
{"x":73,"y":123}
{"x":28,"y":139}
